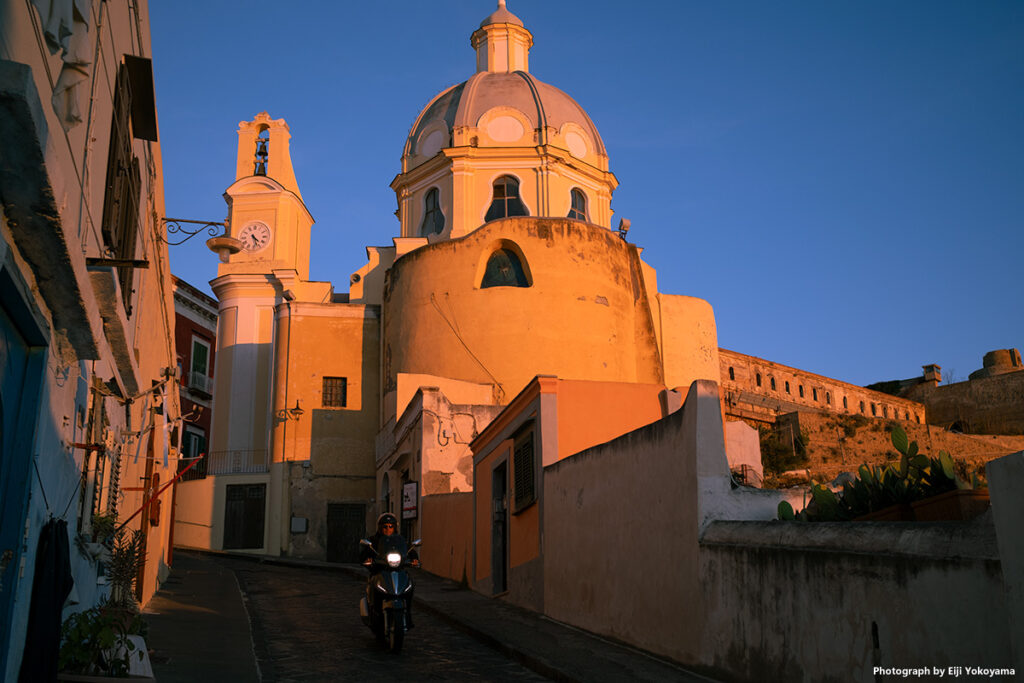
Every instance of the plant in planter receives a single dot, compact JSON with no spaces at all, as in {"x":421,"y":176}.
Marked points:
{"x":103,"y":526}
{"x":896,"y":492}
{"x":126,"y":559}
{"x":96,"y":643}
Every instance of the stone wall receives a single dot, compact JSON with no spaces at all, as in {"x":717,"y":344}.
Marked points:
{"x":986,"y":405}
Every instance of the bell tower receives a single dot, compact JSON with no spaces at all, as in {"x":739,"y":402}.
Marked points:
{"x":266,"y":213}
{"x":264,"y":271}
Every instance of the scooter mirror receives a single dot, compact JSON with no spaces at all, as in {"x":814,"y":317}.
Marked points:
{"x":418,"y":541}
{"x":365,"y":542}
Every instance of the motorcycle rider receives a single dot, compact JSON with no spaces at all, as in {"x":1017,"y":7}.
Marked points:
{"x":387,"y":525}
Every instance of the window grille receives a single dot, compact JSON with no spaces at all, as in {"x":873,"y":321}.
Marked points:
{"x":335,"y":394}
{"x":578,"y":209}
{"x":193,"y":444}
{"x":433,"y":219}
{"x":504,"y":270}
{"x":506,"y":201}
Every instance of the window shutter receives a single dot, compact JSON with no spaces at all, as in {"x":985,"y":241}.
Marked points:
{"x":523,"y":470}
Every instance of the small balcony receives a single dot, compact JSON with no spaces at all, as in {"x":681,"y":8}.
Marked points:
{"x":201,"y":383}
{"x":237,"y":462}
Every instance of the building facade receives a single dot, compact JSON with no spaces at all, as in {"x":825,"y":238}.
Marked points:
{"x":195,"y":338}
{"x":336,"y":407}
{"x":89,"y":410}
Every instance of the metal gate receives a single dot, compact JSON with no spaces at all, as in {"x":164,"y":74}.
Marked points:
{"x":346,"y":524}
{"x":244,"y":515}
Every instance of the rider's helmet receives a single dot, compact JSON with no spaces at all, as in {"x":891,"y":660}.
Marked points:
{"x":387,"y":517}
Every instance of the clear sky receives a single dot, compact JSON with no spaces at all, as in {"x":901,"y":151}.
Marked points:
{"x":843,"y":181}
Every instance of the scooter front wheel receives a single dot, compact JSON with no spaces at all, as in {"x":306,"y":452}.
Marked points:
{"x":396,"y":632}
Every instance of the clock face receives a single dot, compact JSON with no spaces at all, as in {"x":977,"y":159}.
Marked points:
{"x":254,"y":236}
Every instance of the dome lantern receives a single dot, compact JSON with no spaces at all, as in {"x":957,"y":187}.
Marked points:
{"x":502,"y":43}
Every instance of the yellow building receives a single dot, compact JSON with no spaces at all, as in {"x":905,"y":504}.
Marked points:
{"x":89,"y":413}
{"x":331,"y":407}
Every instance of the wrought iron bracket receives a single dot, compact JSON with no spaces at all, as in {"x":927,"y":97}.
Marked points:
{"x":174,"y":227}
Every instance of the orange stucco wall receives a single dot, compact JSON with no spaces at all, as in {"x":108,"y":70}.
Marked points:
{"x":580,"y":317}
{"x":590,"y":413}
{"x":447,"y":521}
{"x":524,"y":536}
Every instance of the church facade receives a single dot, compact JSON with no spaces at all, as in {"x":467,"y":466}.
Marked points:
{"x":334,"y":407}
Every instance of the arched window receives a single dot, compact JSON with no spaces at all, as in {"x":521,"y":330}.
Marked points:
{"x":845,"y":405}
{"x":433,"y":219}
{"x":828,"y":398}
{"x":787,"y":386}
{"x":758,"y":376}
{"x":504,"y":270}
{"x":506,"y":201}
{"x":732,"y":374}
{"x":772,"y":379}
{"x":578,"y":209}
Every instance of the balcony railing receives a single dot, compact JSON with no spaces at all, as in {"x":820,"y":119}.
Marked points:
{"x":237,"y":462}
{"x":200,"y":381}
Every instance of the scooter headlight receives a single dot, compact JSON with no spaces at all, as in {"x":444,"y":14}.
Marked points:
{"x":394,"y":560}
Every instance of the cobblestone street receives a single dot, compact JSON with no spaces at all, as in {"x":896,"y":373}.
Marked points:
{"x":221,"y":619}
{"x":306,"y":627}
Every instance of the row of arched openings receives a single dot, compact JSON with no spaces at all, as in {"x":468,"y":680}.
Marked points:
{"x":907,"y":415}
{"x":505,"y":203}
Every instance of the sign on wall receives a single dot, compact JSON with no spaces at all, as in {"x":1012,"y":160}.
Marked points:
{"x":410,"y":500}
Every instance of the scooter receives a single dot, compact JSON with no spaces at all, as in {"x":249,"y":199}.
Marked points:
{"x":385,"y":607}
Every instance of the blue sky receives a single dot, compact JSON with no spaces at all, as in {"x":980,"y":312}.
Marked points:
{"x":843,"y":181}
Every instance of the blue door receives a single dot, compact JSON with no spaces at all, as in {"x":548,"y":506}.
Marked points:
{"x":20,"y":366}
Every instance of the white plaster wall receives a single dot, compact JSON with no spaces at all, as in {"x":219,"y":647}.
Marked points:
{"x":764,"y":600}
{"x":620,"y":535}
{"x":743,"y":447}
{"x":1005,"y":482}
{"x":194,"y":513}
{"x":792,"y":601}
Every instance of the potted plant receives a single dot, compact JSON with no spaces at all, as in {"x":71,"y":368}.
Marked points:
{"x":126,"y":559}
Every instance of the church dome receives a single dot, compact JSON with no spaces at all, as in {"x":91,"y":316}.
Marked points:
{"x":553,"y":117}
{"x":501,"y":143}
{"x":503,"y":105}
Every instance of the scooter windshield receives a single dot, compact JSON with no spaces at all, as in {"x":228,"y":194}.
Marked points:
{"x":392,"y":544}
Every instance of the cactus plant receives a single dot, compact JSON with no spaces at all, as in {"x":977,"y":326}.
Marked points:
{"x":915,"y":477}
